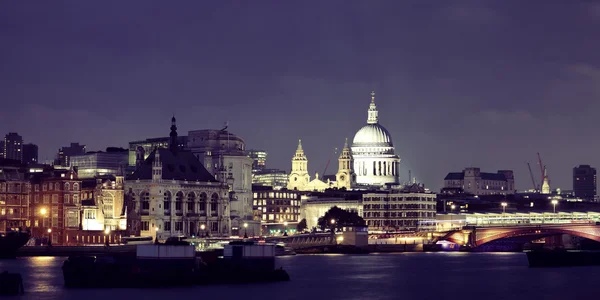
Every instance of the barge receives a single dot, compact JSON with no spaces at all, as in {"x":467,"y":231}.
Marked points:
{"x":162,"y":265}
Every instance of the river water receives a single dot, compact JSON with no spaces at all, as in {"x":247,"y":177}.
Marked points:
{"x":374,"y":276}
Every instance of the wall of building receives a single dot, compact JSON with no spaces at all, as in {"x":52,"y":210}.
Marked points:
{"x":312,"y":210}
{"x":399,"y":211}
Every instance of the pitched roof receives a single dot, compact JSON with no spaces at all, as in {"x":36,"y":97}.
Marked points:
{"x":455,"y":176}
{"x":176,"y":165}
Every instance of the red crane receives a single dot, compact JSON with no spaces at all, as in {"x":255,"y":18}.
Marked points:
{"x":541,"y":167}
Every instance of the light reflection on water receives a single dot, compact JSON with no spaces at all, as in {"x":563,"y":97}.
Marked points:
{"x":377,"y":276}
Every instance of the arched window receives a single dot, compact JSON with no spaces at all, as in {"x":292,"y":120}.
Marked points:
{"x":202,"y":204}
{"x":167,"y":202}
{"x":57,"y":186}
{"x":214,"y":202}
{"x":190,"y":202}
{"x":76,"y":186}
{"x":179,"y":201}
{"x":145,"y":200}
{"x":67,"y":186}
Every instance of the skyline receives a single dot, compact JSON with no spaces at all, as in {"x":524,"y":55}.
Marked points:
{"x":458,"y":83}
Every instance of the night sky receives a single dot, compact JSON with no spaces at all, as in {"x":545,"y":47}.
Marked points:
{"x":458,"y":83}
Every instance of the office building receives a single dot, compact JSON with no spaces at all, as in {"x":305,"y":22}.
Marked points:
{"x":30,"y":154}
{"x":13,"y":146}
{"x":584,"y":182}
{"x":14,"y":199}
{"x":94,"y":164}
{"x":275,"y":208}
{"x":275,"y":178}
{"x":63,"y":158}
{"x":409,"y":209}
{"x":259,"y":159}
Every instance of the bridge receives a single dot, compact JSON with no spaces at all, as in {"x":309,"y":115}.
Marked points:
{"x":304,"y":241}
{"x":473,"y":237}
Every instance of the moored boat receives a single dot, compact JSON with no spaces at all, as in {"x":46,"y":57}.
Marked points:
{"x":175,"y":265}
{"x":11,"y":242}
{"x":562,"y":258}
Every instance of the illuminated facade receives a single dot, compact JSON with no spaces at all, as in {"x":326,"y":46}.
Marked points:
{"x":274,"y":207}
{"x":102,"y":200}
{"x":299,"y":176}
{"x":56,"y":205}
{"x":14,"y":199}
{"x":172,"y":194}
{"x":95,"y":164}
{"x":259,"y":159}
{"x":277,"y":179}
{"x":403,"y":210}
{"x":312,"y":208}
{"x":475,"y":182}
{"x":345,"y":177}
{"x":375,"y":161}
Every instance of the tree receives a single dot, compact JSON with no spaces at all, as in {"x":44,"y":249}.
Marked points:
{"x":301,"y":225}
{"x":341,"y":218}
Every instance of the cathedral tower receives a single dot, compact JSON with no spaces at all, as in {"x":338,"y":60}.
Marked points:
{"x":299,"y":176}
{"x":345,"y":177}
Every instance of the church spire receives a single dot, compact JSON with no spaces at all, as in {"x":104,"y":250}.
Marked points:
{"x":173,"y":144}
{"x":299,"y":145}
{"x":373,"y":119}
{"x":346,"y":143}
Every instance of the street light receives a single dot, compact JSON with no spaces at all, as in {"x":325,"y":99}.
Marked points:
{"x":43,"y":211}
{"x":554,"y":202}
{"x":156,"y":235}
{"x":245,"y":230}
{"x":285,"y":223}
{"x":107,"y":237}
{"x":452,"y":207}
{"x":503,"y":207}
{"x":49,"y":230}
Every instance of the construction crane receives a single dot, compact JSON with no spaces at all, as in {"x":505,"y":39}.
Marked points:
{"x":532,"y":178}
{"x":328,"y":161}
{"x":541,"y":167}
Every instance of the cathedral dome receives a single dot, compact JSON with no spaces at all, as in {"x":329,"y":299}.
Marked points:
{"x":372,"y":135}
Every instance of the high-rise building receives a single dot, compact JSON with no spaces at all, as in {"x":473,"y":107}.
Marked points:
{"x":584,"y":182}
{"x":30,"y":154}
{"x":65,"y":153}
{"x":1,"y":149}
{"x":259,"y":159}
{"x":13,"y":146}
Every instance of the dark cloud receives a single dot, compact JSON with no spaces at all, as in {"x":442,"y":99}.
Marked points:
{"x":459,"y":83}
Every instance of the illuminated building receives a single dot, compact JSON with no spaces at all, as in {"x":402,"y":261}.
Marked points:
{"x":30,"y":154}
{"x":13,"y":146}
{"x":275,"y":178}
{"x":259,"y":159}
{"x":475,"y":182}
{"x":375,"y":161}
{"x":224,"y":156}
{"x":409,"y":209}
{"x":65,"y":153}
{"x":584,"y":182}
{"x":274,"y":207}
{"x":345,"y":177}
{"x":2,"y":149}
{"x":94,"y":164}
{"x":314,"y":207}
{"x":172,"y":194}
{"x":14,"y":199}
{"x":56,"y":205}
{"x":102,"y":200}
{"x":139,"y":150}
